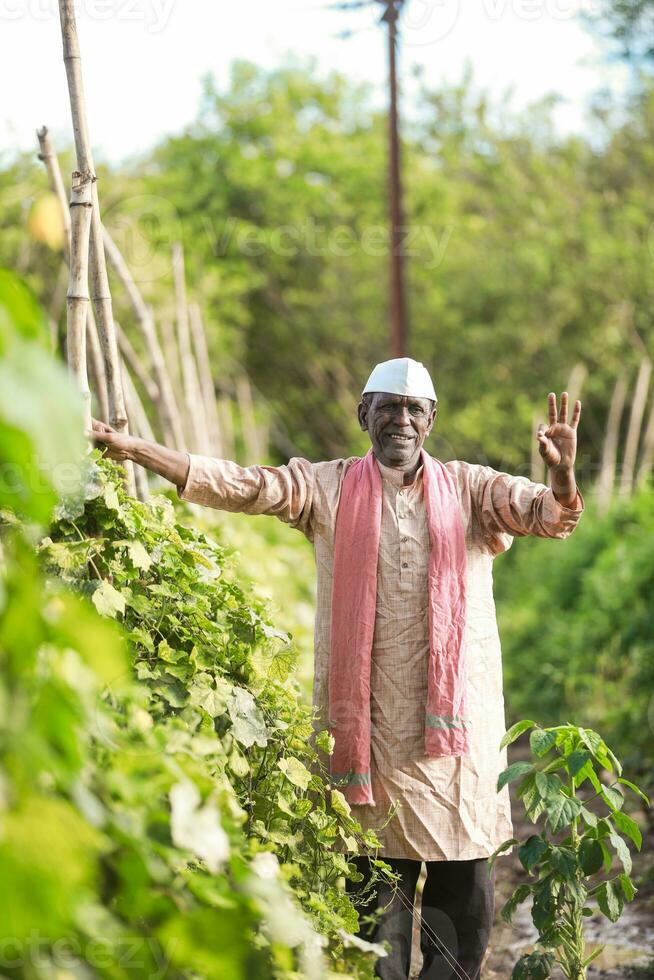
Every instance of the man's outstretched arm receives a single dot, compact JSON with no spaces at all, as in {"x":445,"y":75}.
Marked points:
{"x":285,"y":492}
{"x":169,"y":463}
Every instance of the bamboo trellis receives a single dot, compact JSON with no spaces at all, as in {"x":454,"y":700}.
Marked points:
{"x":99,"y":280}
{"x":77,"y":299}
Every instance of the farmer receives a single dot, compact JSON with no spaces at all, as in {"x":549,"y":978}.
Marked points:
{"x":408,"y":671}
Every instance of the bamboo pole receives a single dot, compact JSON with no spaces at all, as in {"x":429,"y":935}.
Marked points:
{"x":206,"y":380}
{"x":97,"y":365}
{"x":576,"y":380}
{"x":58,"y":298}
{"x":171,"y":356}
{"x":133,"y":361}
{"x":49,"y":157}
{"x":195,"y":416}
{"x":249,"y":429}
{"x":610,"y":449}
{"x":94,"y":351}
{"x":635,"y":425}
{"x":99,"y":281}
{"x":77,"y":297}
{"x":139,"y":425}
{"x":165,"y":400}
{"x":226,"y":426}
{"x":647,"y":457}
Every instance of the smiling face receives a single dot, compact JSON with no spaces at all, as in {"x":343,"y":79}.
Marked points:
{"x":397,"y":425}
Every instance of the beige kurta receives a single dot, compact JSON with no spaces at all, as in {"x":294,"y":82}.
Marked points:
{"x":449,"y":806}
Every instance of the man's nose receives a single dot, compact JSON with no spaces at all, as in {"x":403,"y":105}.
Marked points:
{"x":402,"y":416}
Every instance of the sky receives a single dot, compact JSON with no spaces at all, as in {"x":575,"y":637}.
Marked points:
{"x":143,"y":60}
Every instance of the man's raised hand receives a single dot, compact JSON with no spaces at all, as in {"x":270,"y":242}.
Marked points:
{"x":557,"y":442}
{"x":115,"y":444}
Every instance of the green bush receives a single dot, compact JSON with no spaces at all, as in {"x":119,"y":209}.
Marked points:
{"x":577,"y":626}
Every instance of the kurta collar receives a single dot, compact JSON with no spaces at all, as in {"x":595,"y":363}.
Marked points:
{"x":396,"y":477}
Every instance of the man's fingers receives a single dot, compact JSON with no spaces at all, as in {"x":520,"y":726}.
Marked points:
{"x":576,"y":414}
{"x":551,"y":407}
{"x":563,"y":413}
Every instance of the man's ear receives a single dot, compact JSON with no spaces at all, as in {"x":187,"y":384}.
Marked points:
{"x":362,"y":412}
{"x":433,"y":418}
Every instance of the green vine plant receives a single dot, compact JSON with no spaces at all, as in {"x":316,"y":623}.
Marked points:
{"x":163,"y":809}
{"x":575,"y":845}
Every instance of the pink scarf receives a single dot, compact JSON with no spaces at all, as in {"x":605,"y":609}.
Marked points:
{"x":356,"y":548}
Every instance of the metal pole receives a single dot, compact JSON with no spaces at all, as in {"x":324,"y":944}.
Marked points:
{"x":398,"y":307}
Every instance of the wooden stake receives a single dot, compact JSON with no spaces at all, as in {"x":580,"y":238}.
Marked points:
{"x":139,"y":425}
{"x":99,"y":281}
{"x":635,"y":425}
{"x":647,"y":457}
{"x":610,"y":450}
{"x":206,"y":379}
{"x":249,"y":430}
{"x":94,"y":351}
{"x":171,"y":421}
{"x":194,"y":405}
{"x":133,"y":361}
{"x":171,"y":356}
{"x":77,"y":298}
{"x":97,"y":365}
{"x":226,"y":426}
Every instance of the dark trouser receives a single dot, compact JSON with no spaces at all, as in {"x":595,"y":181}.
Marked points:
{"x":458,"y":902}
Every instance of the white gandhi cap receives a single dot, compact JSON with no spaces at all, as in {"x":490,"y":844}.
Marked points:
{"x":401,"y":376}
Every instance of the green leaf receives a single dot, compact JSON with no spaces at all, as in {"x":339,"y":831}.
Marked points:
{"x":628,"y":826}
{"x":514,"y":771}
{"x":248,"y":726}
{"x":589,"y":816}
{"x":295,"y":771}
{"x":622,"y":851}
{"x":107,"y":600}
{"x":590,"y":855}
{"x":610,"y":900}
{"x":340,"y":804}
{"x":543,"y":908}
{"x":593,"y":956}
{"x":542,"y":740}
{"x":533,"y":966}
{"x":518,"y":896}
{"x":576,"y":761}
{"x":591,"y":739}
{"x":532,"y":851}
{"x":628,"y":888}
{"x":325,"y":741}
{"x":138,"y":555}
{"x":613,"y":797}
{"x":515,"y":731}
{"x":499,"y":850}
{"x":548,"y":784}
{"x":635,"y":788}
{"x":563,"y":861}
{"x":561,"y":811}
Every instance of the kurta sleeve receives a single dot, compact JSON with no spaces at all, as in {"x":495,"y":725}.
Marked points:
{"x":508,"y":506}
{"x":285,"y":492}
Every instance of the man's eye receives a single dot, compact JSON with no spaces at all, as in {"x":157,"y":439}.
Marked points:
{"x":417,"y":410}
